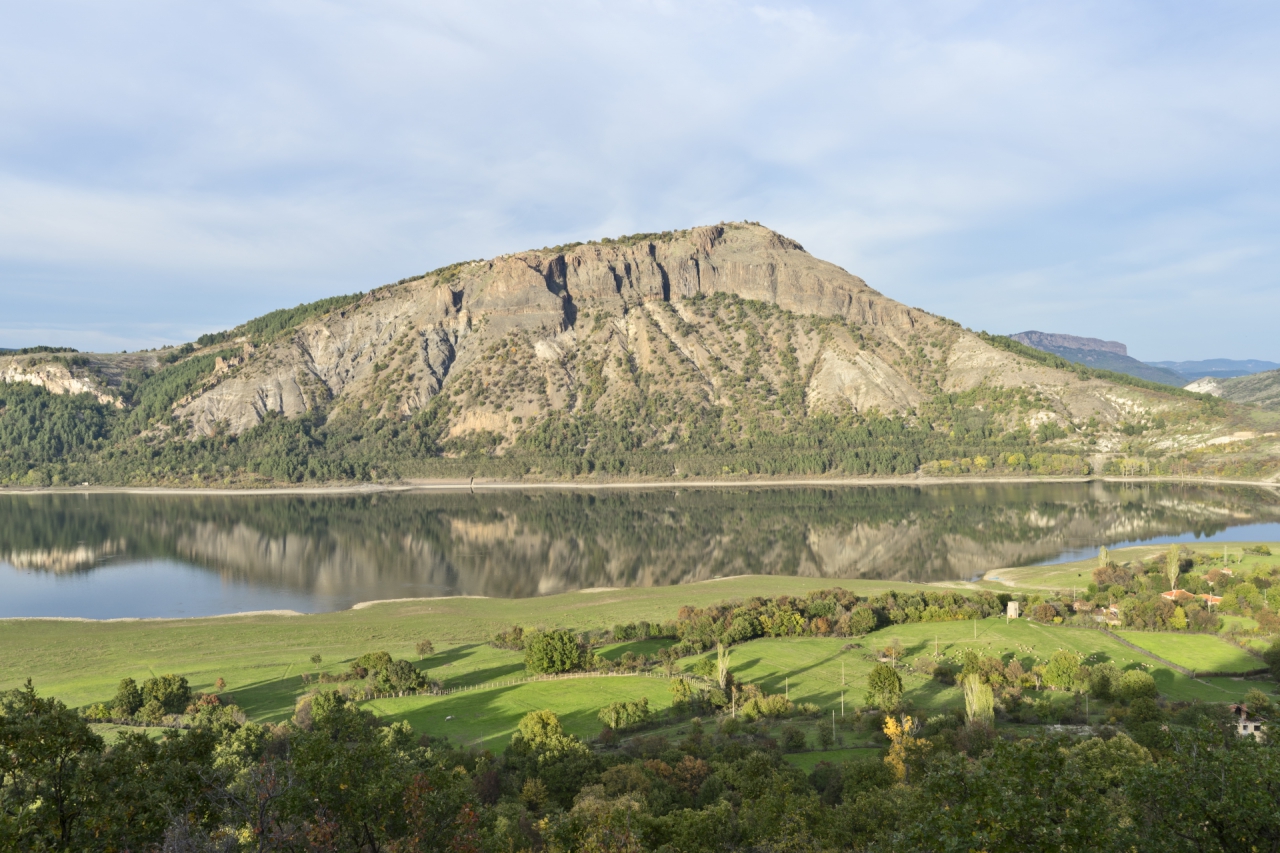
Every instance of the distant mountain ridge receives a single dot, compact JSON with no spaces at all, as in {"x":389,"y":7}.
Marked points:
{"x":1219,"y":368}
{"x":1048,"y":341}
{"x":1094,"y":352}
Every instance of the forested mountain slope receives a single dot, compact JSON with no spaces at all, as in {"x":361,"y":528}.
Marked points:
{"x":720,"y":349}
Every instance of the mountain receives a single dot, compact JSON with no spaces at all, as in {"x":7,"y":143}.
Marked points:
{"x":1107,"y":355}
{"x":1260,"y":389}
{"x":717,"y":350}
{"x":1220,"y":368}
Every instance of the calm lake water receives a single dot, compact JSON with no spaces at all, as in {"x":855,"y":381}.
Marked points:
{"x":109,"y":556}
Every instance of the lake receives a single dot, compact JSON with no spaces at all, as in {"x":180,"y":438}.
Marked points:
{"x":116,"y":555}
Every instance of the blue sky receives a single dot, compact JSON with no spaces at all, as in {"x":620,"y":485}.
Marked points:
{"x":1105,"y":169}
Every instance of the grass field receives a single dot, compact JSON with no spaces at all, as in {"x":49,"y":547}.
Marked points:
{"x":1197,"y":652}
{"x":1061,"y":577}
{"x":488,"y":717}
{"x":263,"y":657}
{"x":806,"y":761}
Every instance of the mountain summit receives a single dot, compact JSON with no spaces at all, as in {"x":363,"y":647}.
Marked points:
{"x":719,"y":349}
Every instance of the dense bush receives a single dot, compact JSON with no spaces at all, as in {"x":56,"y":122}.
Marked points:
{"x":552,"y":651}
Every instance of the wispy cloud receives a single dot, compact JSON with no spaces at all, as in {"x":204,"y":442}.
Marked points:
{"x":1097,"y":168}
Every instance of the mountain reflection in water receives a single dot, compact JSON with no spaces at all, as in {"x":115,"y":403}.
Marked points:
{"x":345,"y":549}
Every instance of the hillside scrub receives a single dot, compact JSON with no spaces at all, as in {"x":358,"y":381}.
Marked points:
{"x":336,"y":772}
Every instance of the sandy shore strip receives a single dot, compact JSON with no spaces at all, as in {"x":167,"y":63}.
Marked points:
{"x":158,"y":618}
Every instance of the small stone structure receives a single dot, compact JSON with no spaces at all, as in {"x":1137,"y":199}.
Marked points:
{"x":1012,"y":610}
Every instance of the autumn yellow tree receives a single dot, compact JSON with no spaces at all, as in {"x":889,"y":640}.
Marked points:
{"x":905,"y":749}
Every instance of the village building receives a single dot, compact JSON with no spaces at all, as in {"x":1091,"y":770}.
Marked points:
{"x":1248,"y":724}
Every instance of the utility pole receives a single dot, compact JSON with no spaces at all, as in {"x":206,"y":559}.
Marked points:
{"x":787,"y":687}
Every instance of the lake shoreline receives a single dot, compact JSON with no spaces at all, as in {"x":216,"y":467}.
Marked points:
{"x":489,"y":485}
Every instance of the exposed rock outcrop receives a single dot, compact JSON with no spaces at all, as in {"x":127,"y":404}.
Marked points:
{"x":521,"y":333}
{"x":56,"y":378}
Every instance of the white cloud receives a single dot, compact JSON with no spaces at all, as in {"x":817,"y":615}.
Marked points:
{"x":1029,"y":165}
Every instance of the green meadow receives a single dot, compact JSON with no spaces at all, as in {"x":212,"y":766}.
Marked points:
{"x":1197,"y":652}
{"x":264,"y":658}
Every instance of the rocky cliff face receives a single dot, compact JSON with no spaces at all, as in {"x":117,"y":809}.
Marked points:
{"x":53,"y":376}
{"x":514,"y":339}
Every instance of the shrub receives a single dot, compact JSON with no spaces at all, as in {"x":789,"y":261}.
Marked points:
{"x":1272,"y":657}
{"x":862,"y":621}
{"x":884,"y":688}
{"x":1044,"y":612}
{"x":620,"y":716}
{"x":793,"y":739}
{"x":371,"y":662}
{"x":170,"y":692}
{"x":1136,"y":684}
{"x":1103,"y":680}
{"x":552,"y":651}
{"x":1060,"y":673}
{"x":151,"y":711}
{"x":766,"y":706}
{"x":399,"y":676}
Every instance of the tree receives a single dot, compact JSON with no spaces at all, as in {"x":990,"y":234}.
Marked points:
{"x":400,"y":676}
{"x":979,"y":701}
{"x":1172,"y":567}
{"x":884,"y":688}
{"x":862,"y":620}
{"x":170,"y":692}
{"x":370,"y":663}
{"x":425,"y":649}
{"x":722,"y":665}
{"x":42,"y":746}
{"x":1103,"y":557}
{"x":315,"y":659}
{"x":1061,"y":671}
{"x":540,"y":749}
{"x":905,"y":750}
{"x":1272,"y":657}
{"x":552,"y":651}
{"x":669,"y":656}
{"x":1103,"y":680}
{"x":1178,"y":621}
{"x":1136,"y":684}
{"x":128,"y":699}
{"x":681,"y":692}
